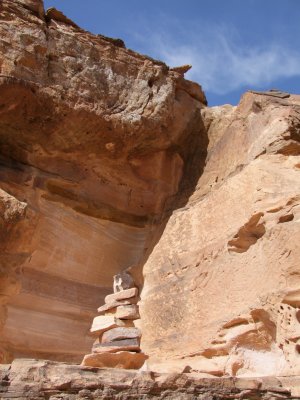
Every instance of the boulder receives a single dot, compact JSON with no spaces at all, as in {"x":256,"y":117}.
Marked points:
{"x":124,"y":323}
{"x":122,"y":359}
{"x":123,"y":295}
{"x":114,"y":304}
{"x":128,"y":312}
{"x":120,"y":333}
{"x":123,"y":281}
{"x":182,"y":69}
{"x":118,"y":345}
{"x":53,"y":13}
{"x":102,"y":323}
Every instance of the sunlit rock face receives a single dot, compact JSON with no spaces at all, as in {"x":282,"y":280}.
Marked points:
{"x":39,"y":379}
{"x":95,"y":139}
{"x":222,"y":286}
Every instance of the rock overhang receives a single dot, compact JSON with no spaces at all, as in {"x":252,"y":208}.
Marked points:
{"x":93,"y":137}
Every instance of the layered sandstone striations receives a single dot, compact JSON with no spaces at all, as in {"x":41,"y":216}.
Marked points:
{"x":95,"y":138}
{"x":14,"y":252}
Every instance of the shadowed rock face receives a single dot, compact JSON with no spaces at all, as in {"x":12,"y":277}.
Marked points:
{"x":13,"y":246}
{"x":95,"y":139}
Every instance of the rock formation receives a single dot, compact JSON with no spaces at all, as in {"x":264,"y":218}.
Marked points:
{"x":13,"y":253}
{"x":36,"y":380}
{"x":95,"y":138}
{"x":118,"y":341}
{"x":112,"y":162}
{"x":229,"y":259}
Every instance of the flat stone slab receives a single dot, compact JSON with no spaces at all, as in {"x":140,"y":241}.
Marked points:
{"x":118,"y":345}
{"x":124,"y":323}
{"x":272,"y":92}
{"x":114,"y":304}
{"x":102,"y":323}
{"x":128,"y":312}
{"x":122,"y":295}
{"x":123,"y":359}
{"x":120,"y":333}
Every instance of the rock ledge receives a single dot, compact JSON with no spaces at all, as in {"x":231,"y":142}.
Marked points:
{"x":33,"y":379}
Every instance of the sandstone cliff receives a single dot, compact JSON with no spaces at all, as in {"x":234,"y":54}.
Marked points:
{"x":110,"y":161}
{"x":95,"y":139}
{"x":229,"y":260}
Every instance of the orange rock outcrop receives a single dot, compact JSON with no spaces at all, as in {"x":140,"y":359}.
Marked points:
{"x":229,"y":260}
{"x":95,"y":138}
{"x":112,"y":161}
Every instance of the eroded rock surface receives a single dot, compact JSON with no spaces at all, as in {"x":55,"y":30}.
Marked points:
{"x":95,"y":138}
{"x":35,"y":380}
{"x":221,"y":291}
{"x":13,"y":246}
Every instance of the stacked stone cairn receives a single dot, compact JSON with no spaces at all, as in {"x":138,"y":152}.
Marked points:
{"x":118,"y":340}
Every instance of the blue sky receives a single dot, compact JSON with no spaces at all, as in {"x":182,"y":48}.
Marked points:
{"x":233,"y":45}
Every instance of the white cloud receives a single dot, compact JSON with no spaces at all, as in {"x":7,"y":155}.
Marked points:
{"x":220,"y":61}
